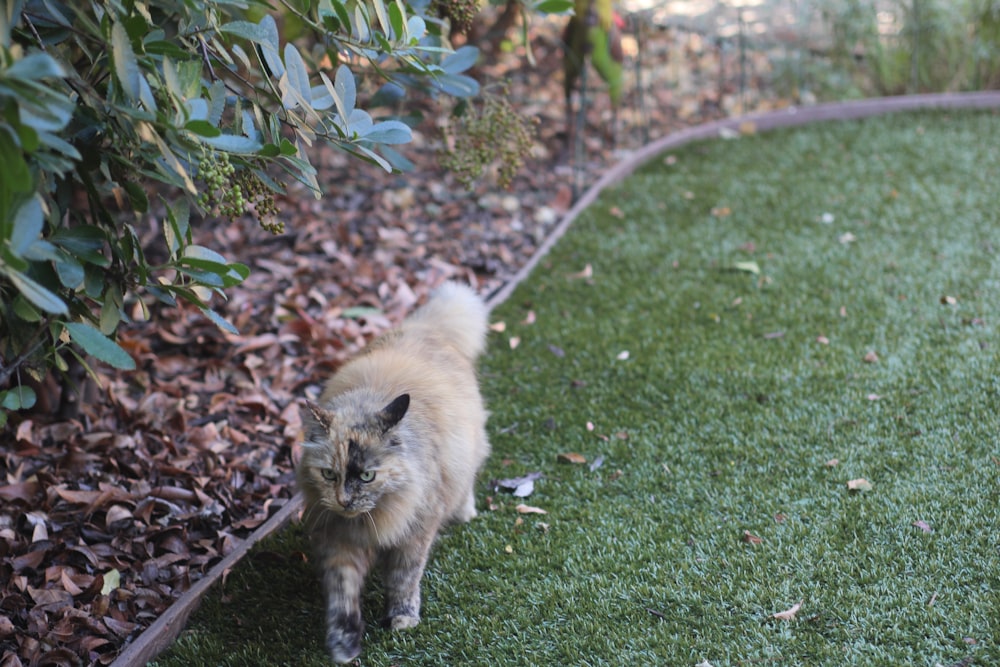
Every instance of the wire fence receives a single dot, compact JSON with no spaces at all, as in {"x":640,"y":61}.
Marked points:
{"x":714,"y":57}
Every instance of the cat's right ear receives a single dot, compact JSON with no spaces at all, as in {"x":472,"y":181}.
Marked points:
{"x":390,"y":415}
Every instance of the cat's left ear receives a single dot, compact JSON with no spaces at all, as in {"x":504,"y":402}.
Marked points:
{"x":390,"y":415}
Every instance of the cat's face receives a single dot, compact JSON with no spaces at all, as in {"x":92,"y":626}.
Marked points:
{"x":351,"y":461}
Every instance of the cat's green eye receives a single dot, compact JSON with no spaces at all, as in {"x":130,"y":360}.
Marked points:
{"x":329,"y":474}
{"x":367,"y":475}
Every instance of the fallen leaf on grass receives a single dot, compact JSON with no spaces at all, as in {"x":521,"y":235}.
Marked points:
{"x":514,"y":342}
{"x":590,"y":426}
{"x":498,"y":327}
{"x":924,"y":526}
{"x":598,"y":462}
{"x":529,"y":509}
{"x":822,"y":340}
{"x":847,"y":238}
{"x":871,"y":357}
{"x":748,"y":267}
{"x":622,"y":356}
{"x":873,"y":397}
{"x":948,"y":300}
{"x":860,"y":484}
{"x":616,"y":212}
{"x":587,"y":272}
{"x":572,"y":457}
{"x":750,"y":538}
{"x":788,"y":614}
{"x":529,"y":318}
{"x":520,"y":487}
{"x":832,"y":463}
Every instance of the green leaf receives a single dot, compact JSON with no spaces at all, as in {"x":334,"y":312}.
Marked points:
{"x":346,"y":91}
{"x":460,"y":60}
{"x":28,"y":222}
{"x":99,"y":346}
{"x":397,"y":14}
{"x":205,"y":254}
{"x":342,"y":13}
{"x":202,"y":128}
{"x":232,"y":143}
{"x":37,"y":294}
{"x":298,"y":76}
{"x":126,"y":66}
{"x":24,"y":310}
{"x":136,"y":195}
{"x":16,"y":174}
{"x":220,"y":321}
{"x":85,"y":243}
{"x":389,"y":132}
{"x":554,"y":6}
{"x":416,"y":28}
{"x":383,"y":17}
{"x":35,"y":66}
{"x":111,"y":315}
{"x":69,"y":270}
{"x":177,"y":229}
{"x":18,"y":398}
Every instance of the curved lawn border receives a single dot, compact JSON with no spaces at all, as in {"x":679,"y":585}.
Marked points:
{"x":162,"y":632}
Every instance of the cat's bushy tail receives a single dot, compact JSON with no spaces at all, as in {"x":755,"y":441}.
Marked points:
{"x":460,"y":314}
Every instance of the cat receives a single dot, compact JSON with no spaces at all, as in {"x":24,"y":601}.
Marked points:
{"x":391,"y":452}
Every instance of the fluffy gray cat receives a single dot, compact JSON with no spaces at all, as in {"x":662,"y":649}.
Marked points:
{"x":391,"y":453}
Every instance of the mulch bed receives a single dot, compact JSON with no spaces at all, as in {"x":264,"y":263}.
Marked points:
{"x":108,"y":517}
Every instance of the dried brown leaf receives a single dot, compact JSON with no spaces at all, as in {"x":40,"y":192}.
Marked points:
{"x":860,"y":484}
{"x":528,"y":509}
{"x":788,"y":614}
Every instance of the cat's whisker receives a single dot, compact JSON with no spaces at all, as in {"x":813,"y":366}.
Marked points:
{"x":371,"y":520}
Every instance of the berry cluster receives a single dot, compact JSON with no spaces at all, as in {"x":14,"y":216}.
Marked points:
{"x":231,"y":194}
{"x":495,"y":134}
{"x":460,"y":13}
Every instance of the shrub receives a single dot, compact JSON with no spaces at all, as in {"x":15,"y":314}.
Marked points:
{"x":114,"y":111}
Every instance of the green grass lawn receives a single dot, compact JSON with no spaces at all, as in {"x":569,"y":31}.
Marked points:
{"x":786,"y":300}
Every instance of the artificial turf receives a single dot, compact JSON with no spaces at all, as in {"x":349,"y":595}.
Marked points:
{"x":799,"y":309}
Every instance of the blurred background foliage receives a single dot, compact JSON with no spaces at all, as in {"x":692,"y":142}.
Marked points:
{"x":121,"y":116}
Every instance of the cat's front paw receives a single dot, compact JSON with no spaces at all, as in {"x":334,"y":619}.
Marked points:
{"x":401,"y":621}
{"x":344,"y":644}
